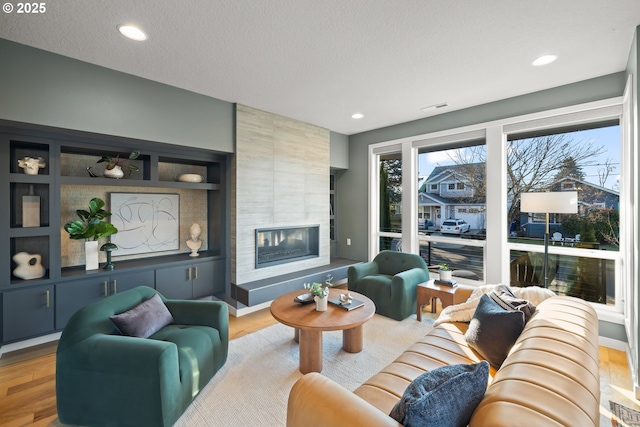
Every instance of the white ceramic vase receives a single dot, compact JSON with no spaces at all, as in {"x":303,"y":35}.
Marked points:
{"x":321,"y":303}
{"x":29,"y":266}
{"x":116,"y":172}
{"x":445,"y":275}
{"x":91,"y":255}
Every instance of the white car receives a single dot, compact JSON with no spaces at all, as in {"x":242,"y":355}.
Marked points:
{"x":454,"y":226}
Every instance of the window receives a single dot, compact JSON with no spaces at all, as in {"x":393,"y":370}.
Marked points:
{"x":462,"y":166}
{"x":586,"y":161}
{"x":390,"y":205}
{"x":582,"y":150}
{"x":434,"y":186}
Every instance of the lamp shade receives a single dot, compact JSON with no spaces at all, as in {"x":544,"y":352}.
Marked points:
{"x":549,"y":202}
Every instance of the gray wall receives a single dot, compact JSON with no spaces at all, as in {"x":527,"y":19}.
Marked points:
{"x":48,"y":89}
{"x":352,"y":198}
{"x":339,"y":151}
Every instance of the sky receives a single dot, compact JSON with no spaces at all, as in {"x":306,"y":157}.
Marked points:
{"x":608,"y":138}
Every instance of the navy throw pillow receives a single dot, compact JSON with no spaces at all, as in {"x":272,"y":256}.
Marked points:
{"x":444,"y":397}
{"x":493,"y":330}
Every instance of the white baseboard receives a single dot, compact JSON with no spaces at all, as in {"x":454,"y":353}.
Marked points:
{"x":238,"y":312}
{"x":614,"y":344}
{"x":29,"y":343}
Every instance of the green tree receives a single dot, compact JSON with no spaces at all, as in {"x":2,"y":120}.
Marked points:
{"x":385,"y":200}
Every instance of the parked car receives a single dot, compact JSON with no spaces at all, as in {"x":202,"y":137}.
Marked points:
{"x":454,"y":226}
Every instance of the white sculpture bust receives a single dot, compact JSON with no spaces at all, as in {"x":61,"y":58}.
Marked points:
{"x":194,"y":243}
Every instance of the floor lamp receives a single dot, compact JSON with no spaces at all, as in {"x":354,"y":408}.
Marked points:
{"x":546,"y":203}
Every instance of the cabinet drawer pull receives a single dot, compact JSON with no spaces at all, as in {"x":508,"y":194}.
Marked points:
{"x":106,"y":289}
{"x":189,"y":274}
{"x":115,"y":286}
{"x":195,"y":273}
{"x":48,"y":299}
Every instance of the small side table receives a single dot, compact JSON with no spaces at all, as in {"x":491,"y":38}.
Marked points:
{"x":429,"y":292}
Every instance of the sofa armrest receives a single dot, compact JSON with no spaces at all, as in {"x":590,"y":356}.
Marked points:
{"x":358,"y":271}
{"x":317,"y":401}
{"x":411,"y":277}
{"x":120,"y":355}
{"x":201,"y":312}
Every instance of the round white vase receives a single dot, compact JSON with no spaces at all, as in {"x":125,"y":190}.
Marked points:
{"x":321,"y":303}
{"x":116,"y":172}
{"x":445,"y":275}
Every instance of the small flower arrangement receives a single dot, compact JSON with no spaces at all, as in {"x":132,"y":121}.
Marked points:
{"x":317,"y":289}
{"x":444,"y":266}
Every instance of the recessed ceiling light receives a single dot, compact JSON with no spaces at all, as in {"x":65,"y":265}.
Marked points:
{"x":357,"y":116}
{"x":132,"y":32}
{"x":544,"y":60}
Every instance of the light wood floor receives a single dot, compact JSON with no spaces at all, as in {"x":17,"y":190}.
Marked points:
{"x":28,"y":398}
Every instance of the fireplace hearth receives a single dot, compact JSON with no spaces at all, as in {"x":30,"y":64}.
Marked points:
{"x":286,"y":244}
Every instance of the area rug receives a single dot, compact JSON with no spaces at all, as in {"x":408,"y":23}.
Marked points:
{"x":622,"y":416}
{"x":252,"y":388}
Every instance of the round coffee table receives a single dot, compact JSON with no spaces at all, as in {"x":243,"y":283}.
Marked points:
{"x":309,"y":325}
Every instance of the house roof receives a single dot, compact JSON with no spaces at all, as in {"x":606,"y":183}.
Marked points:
{"x":440,"y":173}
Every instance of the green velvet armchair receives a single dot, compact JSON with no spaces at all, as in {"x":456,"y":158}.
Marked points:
{"x":104,"y":378}
{"x":390,"y":280}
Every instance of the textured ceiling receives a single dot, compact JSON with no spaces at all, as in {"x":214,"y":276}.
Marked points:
{"x":322,"y":60}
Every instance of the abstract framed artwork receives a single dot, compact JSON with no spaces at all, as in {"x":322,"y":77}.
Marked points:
{"x":146,"y":222}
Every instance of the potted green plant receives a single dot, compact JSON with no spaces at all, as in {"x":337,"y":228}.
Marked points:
{"x":320,"y":294}
{"x":115,"y":164}
{"x":445,"y":272}
{"x":91,"y":227}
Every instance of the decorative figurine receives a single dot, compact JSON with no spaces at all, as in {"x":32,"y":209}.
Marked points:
{"x":194,"y":244}
{"x":346,"y":299}
{"x":29,"y":266}
{"x":31,"y":165}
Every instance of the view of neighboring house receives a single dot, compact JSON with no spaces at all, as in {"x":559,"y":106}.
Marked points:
{"x":449,"y":192}
{"x":590,"y":197}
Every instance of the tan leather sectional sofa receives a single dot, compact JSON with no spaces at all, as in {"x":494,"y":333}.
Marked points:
{"x":550,"y":377}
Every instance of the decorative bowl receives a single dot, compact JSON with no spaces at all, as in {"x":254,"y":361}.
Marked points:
{"x":190,"y":177}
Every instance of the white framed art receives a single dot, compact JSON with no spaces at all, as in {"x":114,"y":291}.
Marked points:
{"x":146,"y":222}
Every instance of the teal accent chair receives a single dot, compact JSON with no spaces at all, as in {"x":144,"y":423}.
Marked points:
{"x":390,"y":280}
{"x":106,"y":379}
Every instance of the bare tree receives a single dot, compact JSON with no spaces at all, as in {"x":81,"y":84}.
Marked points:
{"x":532,"y":164}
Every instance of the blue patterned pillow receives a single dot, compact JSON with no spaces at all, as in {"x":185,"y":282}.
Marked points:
{"x":444,"y":397}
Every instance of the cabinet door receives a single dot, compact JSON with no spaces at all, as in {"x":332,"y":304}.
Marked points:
{"x":175,"y":282}
{"x":125,"y":281}
{"x":70,"y":297}
{"x":203,"y":279}
{"x":27,"y":313}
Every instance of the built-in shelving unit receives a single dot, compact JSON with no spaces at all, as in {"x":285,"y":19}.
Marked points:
{"x":33,"y":219}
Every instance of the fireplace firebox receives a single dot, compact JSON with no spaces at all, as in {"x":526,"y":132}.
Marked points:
{"x":286,"y":244}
